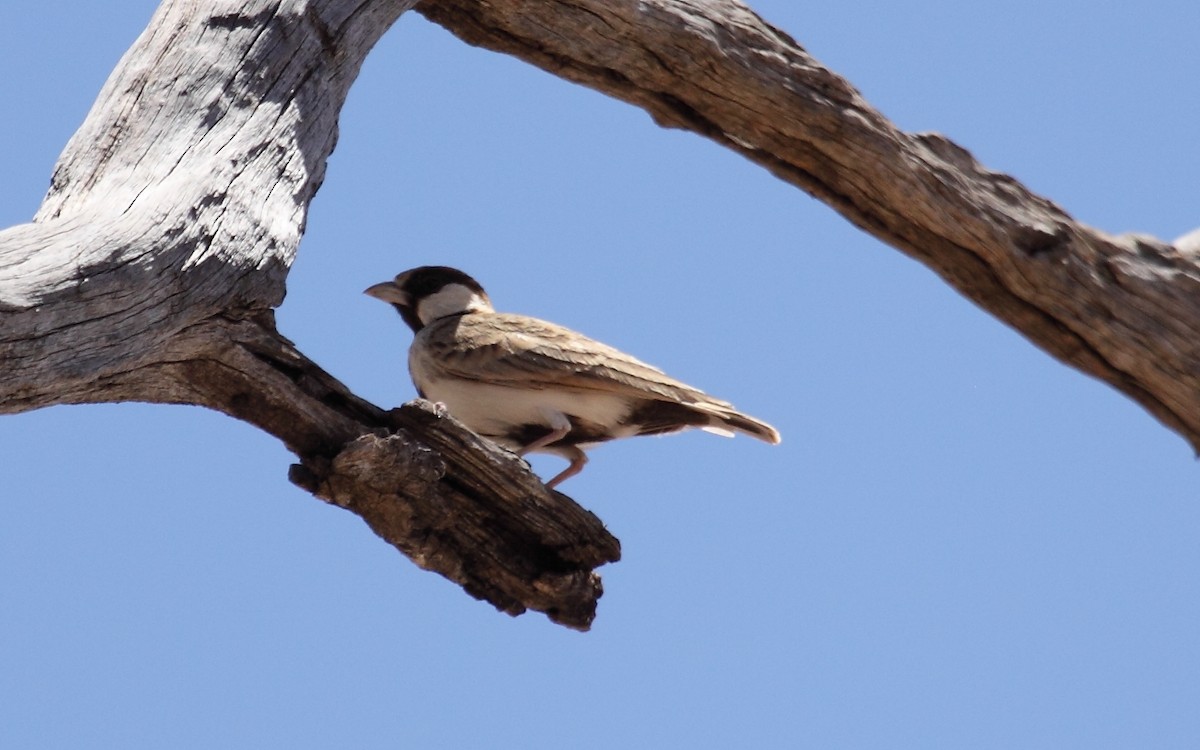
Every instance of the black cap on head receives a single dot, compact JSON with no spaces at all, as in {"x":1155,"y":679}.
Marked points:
{"x":423,"y":281}
{"x":406,"y":291}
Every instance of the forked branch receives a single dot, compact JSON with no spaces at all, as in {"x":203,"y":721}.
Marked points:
{"x":175,"y":213}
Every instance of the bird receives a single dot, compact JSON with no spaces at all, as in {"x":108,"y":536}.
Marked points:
{"x":537,"y":387}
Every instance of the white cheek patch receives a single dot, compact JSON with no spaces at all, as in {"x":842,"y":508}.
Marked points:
{"x":450,"y":300}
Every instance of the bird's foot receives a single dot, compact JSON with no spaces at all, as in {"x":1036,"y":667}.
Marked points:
{"x":578,"y":459}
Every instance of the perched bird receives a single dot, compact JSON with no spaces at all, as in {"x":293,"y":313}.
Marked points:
{"x":533,"y":386}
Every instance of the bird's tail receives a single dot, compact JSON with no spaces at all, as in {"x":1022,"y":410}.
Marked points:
{"x":724,"y":420}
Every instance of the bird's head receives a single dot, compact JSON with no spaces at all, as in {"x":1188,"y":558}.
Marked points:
{"x":422,"y":295}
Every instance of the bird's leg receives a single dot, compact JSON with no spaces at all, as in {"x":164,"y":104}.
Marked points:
{"x":559,"y":427}
{"x":578,"y":459}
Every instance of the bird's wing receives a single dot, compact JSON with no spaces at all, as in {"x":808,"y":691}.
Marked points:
{"x":502,"y":348}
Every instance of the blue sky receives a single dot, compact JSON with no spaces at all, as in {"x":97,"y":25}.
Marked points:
{"x":960,"y":542}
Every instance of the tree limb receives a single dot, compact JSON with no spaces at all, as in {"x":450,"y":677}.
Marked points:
{"x":1122,"y":309}
{"x":174,"y":214}
{"x":150,"y":271}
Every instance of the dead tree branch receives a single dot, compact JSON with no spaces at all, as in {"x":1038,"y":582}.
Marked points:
{"x":1125,"y":310}
{"x":151,"y":269}
{"x":174,"y":214}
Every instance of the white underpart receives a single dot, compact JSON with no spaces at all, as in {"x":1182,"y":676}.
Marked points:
{"x":494,"y":410}
{"x":451,"y":300}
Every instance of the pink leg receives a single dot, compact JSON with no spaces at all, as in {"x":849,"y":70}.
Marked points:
{"x":559,"y":427}
{"x":578,"y":459}
{"x":555,"y":434}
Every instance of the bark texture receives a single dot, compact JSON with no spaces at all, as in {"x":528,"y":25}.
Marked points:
{"x":1123,"y":309}
{"x":152,"y":267}
{"x":174,"y":214}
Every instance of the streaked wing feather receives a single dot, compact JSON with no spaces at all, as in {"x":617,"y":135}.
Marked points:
{"x":502,"y":348}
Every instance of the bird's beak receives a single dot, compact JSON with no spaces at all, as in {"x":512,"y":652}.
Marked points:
{"x":389,"y":292}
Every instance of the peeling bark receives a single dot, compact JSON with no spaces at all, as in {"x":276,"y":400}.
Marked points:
{"x":174,"y":214}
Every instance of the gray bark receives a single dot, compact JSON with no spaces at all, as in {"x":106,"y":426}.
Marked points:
{"x":1122,"y":309}
{"x":151,"y":270}
{"x":174,"y":214}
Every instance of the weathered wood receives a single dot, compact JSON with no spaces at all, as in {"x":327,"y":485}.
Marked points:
{"x":185,"y":192}
{"x":1124,"y":309}
{"x":174,"y":214}
{"x":150,"y":271}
